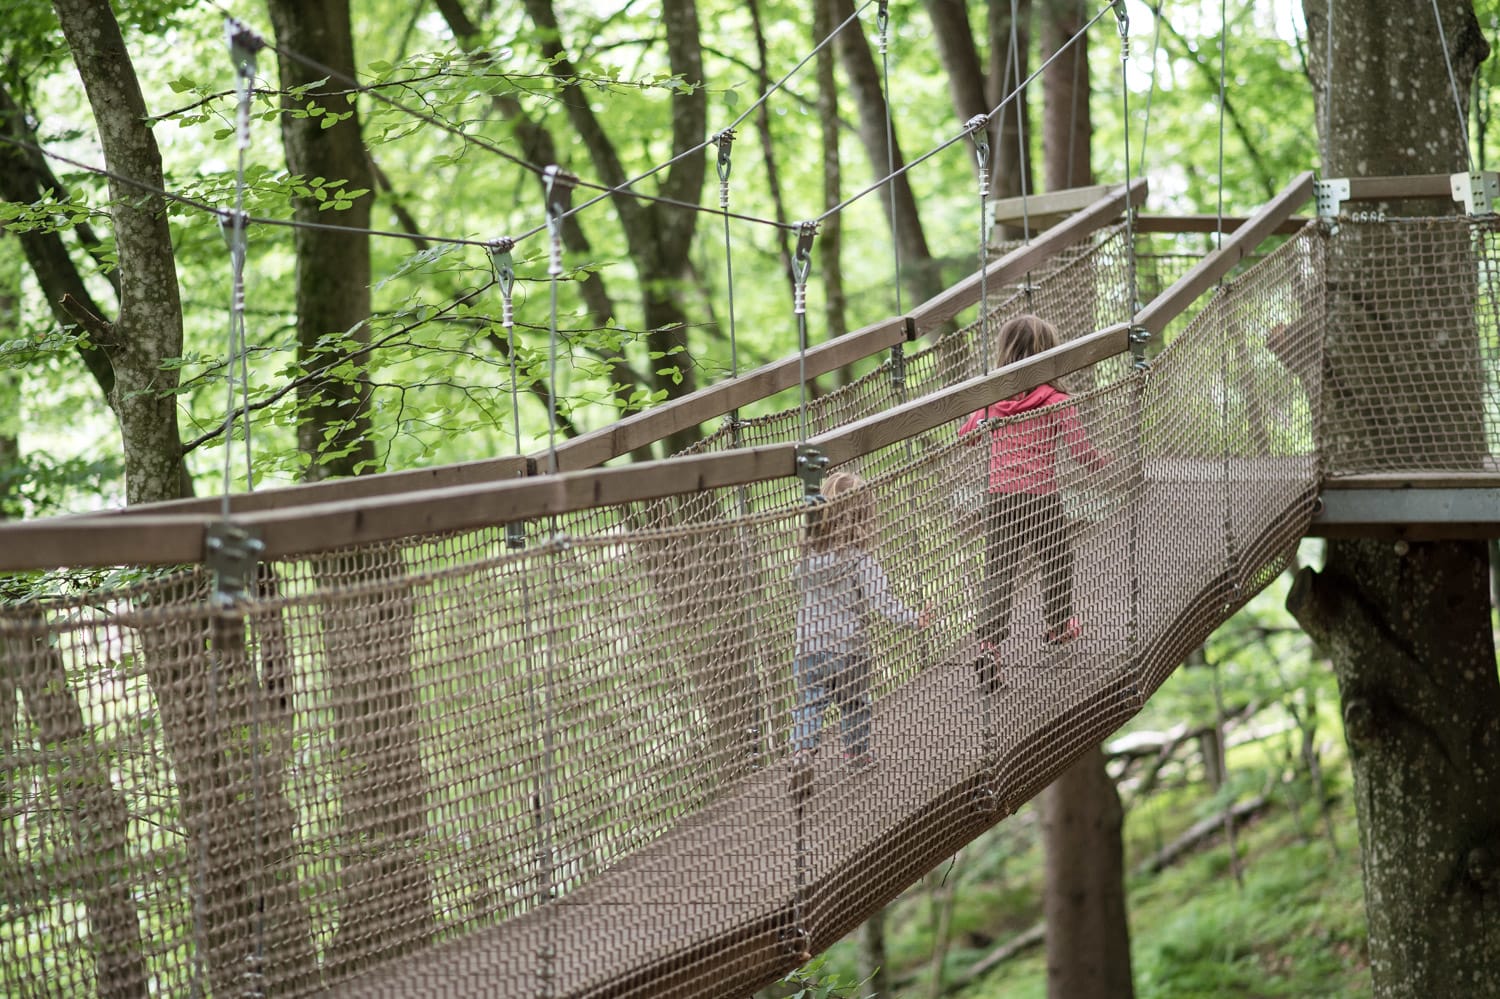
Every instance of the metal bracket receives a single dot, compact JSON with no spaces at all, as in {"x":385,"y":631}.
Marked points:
{"x":1479,"y":190}
{"x":1138,"y":337}
{"x":898,"y":367}
{"x":515,"y":534}
{"x":811,"y":464}
{"x":1330,"y":196}
{"x":231,"y":553}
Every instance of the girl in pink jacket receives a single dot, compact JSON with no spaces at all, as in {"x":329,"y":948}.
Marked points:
{"x":1023,"y":512}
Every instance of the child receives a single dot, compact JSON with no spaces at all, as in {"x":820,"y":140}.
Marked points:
{"x":840,"y":583}
{"x":1023,"y":511}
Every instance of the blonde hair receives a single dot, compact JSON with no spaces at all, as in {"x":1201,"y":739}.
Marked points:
{"x":846,"y":519}
{"x":1023,"y":336}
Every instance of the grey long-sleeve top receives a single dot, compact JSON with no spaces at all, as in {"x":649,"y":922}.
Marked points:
{"x":838,"y":589}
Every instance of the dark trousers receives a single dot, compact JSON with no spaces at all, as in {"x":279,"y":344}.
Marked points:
{"x":1015,"y":525}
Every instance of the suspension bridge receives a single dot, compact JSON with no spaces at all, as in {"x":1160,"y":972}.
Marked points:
{"x":521,"y":727}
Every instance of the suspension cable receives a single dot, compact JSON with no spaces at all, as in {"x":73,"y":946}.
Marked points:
{"x":1151,"y":90}
{"x":1458,"y":104}
{"x":1137,"y":338}
{"x":963,"y":133}
{"x":801,"y":265}
{"x":243,"y":44}
{"x":1223,"y":60}
{"x":1019,"y":110}
{"x":978,"y":127}
{"x":559,"y":190}
{"x":882,"y":25}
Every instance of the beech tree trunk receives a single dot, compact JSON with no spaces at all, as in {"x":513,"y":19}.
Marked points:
{"x":1407,"y":625}
{"x":148,"y":327}
{"x":883,"y":150}
{"x":333,"y":267}
{"x":659,"y":236}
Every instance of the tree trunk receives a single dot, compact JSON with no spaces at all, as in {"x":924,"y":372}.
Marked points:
{"x":831,"y":235}
{"x":659,"y":236}
{"x":1088,"y":938}
{"x":385,"y":893}
{"x":148,"y":328}
{"x":1407,"y":626}
{"x":884,"y":152}
{"x":1067,"y":126}
{"x":1010,"y":135}
{"x":333,"y":266}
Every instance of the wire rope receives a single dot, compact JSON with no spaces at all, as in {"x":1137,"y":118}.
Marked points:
{"x":1458,"y":104}
{"x":1022,"y":160}
{"x":963,"y":133}
{"x":882,"y":24}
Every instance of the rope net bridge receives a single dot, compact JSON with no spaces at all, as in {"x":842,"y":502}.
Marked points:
{"x":535,"y":737}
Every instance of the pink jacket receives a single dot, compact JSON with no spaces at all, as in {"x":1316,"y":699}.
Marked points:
{"x":1023,"y":453}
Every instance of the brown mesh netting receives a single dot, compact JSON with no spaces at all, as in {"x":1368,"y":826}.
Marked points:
{"x":447,"y":765}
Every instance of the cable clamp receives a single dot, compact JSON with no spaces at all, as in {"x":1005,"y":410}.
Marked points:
{"x":231,"y":553}
{"x":243,"y":44}
{"x":898,"y":366}
{"x":882,"y":22}
{"x":811,"y":465}
{"x":1479,"y":190}
{"x":1122,"y":20}
{"x":557,"y":186}
{"x":724,"y":140}
{"x":515,"y":534}
{"x":234,"y":226}
{"x":1138,"y":337}
{"x":978,"y":129}
{"x":802,"y":265}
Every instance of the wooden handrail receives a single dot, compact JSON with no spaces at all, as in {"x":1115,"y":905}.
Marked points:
{"x":930,"y":315}
{"x":156,"y":538}
{"x":166,"y":539}
{"x":1202,"y":276}
{"x":648,"y":426}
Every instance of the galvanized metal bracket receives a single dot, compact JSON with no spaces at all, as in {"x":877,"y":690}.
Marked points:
{"x":1479,"y":190}
{"x":1330,"y":195}
{"x":231,"y":553}
{"x":1138,"y":337}
{"x":811,"y":465}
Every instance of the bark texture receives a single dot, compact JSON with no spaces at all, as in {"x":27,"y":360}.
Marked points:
{"x":148,"y":327}
{"x":1088,"y":936}
{"x":333,"y":266}
{"x":884,"y":153}
{"x":1407,"y":626}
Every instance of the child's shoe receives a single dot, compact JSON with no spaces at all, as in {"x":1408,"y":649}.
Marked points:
{"x":1070,"y":630}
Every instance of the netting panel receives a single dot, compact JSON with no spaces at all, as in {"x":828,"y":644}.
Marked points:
{"x":1413,"y":347}
{"x":444,"y":764}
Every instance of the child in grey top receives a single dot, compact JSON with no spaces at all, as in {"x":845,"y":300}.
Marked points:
{"x":841,"y":584}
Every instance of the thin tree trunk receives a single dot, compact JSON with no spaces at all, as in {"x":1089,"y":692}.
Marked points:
{"x":767,"y":145}
{"x":95,"y":815}
{"x":385,"y":901}
{"x":148,"y":328}
{"x":863,"y":75}
{"x":831,"y":234}
{"x":333,"y":260}
{"x":659,"y":236}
